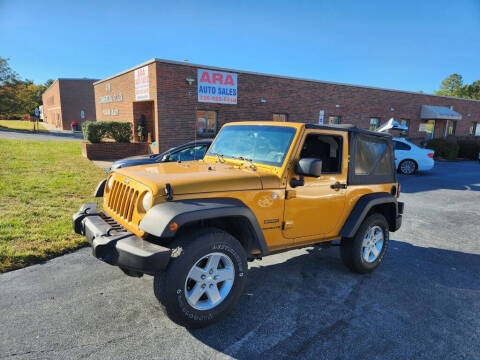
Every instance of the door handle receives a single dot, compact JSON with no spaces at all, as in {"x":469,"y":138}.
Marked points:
{"x":337,"y":186}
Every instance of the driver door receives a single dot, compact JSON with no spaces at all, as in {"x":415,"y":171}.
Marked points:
{"x":315,"y":209}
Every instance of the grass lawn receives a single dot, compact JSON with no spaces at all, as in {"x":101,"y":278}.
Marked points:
{"x":19,"y":125}
{"x":42,"y":183}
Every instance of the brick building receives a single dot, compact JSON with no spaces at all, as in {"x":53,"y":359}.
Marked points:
{"x":180,"y":101}
{"x":68,"y":100}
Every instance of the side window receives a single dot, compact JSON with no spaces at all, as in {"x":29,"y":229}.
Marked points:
{"x":189,"y":154}
{"x":372,"y":158}
{"x":401,"y":145}
{"x":327,"y":148}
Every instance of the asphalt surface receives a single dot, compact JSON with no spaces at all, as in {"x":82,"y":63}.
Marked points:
{"x":423,"y":302}
{"x":42,"y":136}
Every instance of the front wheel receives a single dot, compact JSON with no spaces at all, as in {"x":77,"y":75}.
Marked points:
{"x":364,"y":252}
{"x":205,"y":279}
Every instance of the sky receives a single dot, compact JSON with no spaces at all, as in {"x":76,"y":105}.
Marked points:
{"x":404,"y":45}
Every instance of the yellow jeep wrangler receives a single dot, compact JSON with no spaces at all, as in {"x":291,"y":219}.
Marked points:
{"x":262,"y":188}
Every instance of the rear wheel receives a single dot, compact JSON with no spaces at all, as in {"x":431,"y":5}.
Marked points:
{"x":407,"y":167}
{"x":205,"y":280}
{"x":364,"y":252}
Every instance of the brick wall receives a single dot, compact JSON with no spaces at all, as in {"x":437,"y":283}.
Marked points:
{"x":300,"y":99}
{"x":112,"y":151}
{"x":52,"y":111}
{"x":122,"y":108}
{"x":175,"y":102}
{"x":63,"y":101}
{"x":76,"y":95}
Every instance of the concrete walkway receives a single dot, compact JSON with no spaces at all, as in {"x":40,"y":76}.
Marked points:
{"x":42,"y":136}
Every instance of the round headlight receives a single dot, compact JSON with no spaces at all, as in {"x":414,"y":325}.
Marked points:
{"x":147,"y":201}
{"x":110,"y":183}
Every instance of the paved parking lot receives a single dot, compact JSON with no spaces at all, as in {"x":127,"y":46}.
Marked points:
{"x":422,"y":303}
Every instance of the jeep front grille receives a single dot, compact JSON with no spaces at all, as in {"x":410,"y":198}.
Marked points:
{"x":122,"y":200}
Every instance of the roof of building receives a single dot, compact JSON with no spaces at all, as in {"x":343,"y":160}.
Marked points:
{"x":183,"y":63}
{"x":70,"y":79}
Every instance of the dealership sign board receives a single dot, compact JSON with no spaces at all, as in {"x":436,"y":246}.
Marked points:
{"x":217,"y":87}
{"x":142,"y":86}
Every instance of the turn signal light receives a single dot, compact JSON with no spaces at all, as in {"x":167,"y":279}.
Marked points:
{"x":430,"y":155}
{"x":173,"y":226}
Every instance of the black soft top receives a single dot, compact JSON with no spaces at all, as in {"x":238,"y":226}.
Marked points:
{"x":347,"y":127}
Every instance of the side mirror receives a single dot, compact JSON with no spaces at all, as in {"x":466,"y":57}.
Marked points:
{"x":309,"y":167}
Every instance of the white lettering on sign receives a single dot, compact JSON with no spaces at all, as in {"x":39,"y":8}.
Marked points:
{"x":111,"y":98}
{"x":217,"y":87}
{"x":110,"y":112}
{"x":142,"y":85}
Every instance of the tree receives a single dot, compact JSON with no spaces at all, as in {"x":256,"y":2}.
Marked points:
{"x":472,"y":91}
{"x":17,"y":96}
{"x":451,"y":86}
{"x":48,"y":83}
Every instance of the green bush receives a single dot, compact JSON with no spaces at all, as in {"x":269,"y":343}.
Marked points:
{"x":444,"y":148}
{"x":469,"y":149}
{"x":120,"y":131}
{"x":96,"y":131}
{"x":93,"y":131}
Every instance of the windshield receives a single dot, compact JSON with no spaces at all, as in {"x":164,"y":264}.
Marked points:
{"x":261,"y":144}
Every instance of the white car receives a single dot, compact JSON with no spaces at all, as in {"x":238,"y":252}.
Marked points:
{"x":410,"y":158}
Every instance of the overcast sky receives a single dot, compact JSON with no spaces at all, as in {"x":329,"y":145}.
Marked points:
{"x":406,"y":45}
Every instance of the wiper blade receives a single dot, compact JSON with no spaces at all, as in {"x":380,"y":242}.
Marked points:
{"x":248,"y":161}
{"x":219,"y":156}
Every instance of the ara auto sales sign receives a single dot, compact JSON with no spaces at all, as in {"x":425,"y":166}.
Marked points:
{"x":217,"y":87}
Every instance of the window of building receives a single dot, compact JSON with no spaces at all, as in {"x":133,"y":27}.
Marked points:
{"x":428,"y":127}
{"x":334,"y":120}
{"x":452,"y":125}
{"x":206,"y":122}
{"x":280,"y":117}
{"x":475,"y":129}
{"x":405,"y":122}
{"x":374,"y":123}
{"x":326,"y":148}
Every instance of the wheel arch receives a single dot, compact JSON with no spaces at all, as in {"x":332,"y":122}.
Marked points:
{"x":383,"y":203}
{"x":228,"y":214}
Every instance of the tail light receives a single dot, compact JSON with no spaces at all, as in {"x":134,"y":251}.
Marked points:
{"x":399,"y":190}
{"x":430,"y":155}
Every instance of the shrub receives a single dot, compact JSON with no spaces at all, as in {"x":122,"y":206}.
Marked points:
{"x":444,"y":148}
{"x":469,"y":149}
{"x":120,"y":131}
{"x":93,"y":131}
{"x":96,"y":131}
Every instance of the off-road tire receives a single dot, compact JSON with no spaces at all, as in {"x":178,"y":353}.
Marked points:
{"x":351,"y":248}
{"x":169,"y":286}
{"x":407,"y":167}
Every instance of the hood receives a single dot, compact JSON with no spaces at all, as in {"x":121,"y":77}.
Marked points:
{"x":196,"y":177}
{"x":133,"y":161}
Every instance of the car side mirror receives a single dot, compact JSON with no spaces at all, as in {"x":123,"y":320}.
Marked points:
{"x":309,"y":167}
{"x":165,"y":158}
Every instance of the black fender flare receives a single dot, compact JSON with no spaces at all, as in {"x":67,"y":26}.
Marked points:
{"x":361,"y":209}
{"x":159,"y":217}
{"x":100,"y":188}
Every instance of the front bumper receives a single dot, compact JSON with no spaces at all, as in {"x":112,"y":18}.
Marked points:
{"x":117,"y":246}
